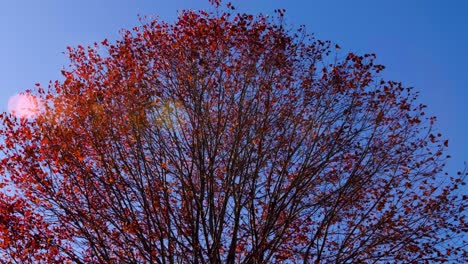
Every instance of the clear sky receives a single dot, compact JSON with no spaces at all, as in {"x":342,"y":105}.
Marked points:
{"x":423,"y":43}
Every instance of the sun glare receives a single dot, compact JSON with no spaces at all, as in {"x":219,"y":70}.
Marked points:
{"x":24,"y":105}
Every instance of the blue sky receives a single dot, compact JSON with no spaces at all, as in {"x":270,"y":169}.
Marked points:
{"x":422,"y":43}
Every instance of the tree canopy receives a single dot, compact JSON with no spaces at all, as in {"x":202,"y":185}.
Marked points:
{"x":226,"y":138}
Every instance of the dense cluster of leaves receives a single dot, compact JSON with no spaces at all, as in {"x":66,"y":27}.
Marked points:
{"x":225,"y":138}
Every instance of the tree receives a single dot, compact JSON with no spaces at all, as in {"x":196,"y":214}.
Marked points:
{"x":226,"y":138}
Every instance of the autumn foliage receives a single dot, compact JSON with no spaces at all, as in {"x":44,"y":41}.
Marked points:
{"x":226,"y":138}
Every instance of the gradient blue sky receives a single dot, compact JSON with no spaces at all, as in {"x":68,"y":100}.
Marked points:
{"x":422,"y":43}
